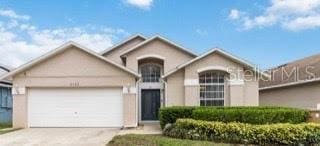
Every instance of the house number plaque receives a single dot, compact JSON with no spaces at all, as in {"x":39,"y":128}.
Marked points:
{"x":74,"y":84}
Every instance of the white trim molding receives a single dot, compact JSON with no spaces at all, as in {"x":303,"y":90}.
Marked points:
{"x":18,"y":90}
{"x":217,"y":50}
{"x":133,"y":90}
{"x":236,"y":82}
{"x":63,"y":47}
{"x":191,"y":82}
{"x":125,"y":90}
{"x":150,"y":85}
{"x":129,"y":90}
{"x":289,"y":84}
{"x":151,"y":56}
{"x":208,"y":68}
{"x":5,"y":85}
{"x":161,"y":38}
{"x":123,"y":42}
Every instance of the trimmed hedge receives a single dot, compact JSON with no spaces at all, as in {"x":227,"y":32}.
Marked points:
{"x":279,"y":134}
{"x":252,"y":115}
{"x":171,"y":114}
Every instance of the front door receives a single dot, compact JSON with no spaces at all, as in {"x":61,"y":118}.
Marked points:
{"x":150,"y":104}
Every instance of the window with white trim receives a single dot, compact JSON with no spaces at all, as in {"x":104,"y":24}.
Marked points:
{"x":212,"y":88}
{"x":150,"y":72}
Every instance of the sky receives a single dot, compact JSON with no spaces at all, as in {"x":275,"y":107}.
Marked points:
{"x":266,"y":33}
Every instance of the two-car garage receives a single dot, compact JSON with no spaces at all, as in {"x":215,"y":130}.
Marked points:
{"x":75,"y":107}
{"x":72,"y":86}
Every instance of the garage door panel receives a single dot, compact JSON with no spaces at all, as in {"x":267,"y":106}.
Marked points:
{"x":90,"y":107}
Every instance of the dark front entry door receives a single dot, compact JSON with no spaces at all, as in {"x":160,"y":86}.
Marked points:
{"x":150,"y":104}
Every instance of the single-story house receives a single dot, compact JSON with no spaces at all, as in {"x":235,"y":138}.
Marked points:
{"x":72,"y":86}
{"x":5,"y":97}
{"x":294,"y":84}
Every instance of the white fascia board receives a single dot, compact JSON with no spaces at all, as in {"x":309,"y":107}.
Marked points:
{"x":59,"y":49}
{"x":161,"y":38}
{"x":107,"y":60}
{"x":34,"y":61}
{"x":289,"y":84}
{"x":236,"y":82}
{"x":5,"y":85}
{"x":244,"y":62}
{"x":151,"y":56}
{"x":122,"y":42}
{"x":187,"y":63}
{"x":216,"y":67}
{"x":222,"y":52}
{"x":191,"y":82}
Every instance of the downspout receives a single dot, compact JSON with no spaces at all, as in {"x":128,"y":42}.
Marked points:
{"x":165,"y":92}
{"x":137,"y":101}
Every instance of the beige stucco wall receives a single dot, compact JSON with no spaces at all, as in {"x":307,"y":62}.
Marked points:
{"x":173,"y":56}
{"x":236,"y":95}
{"x":129,"y":110}
{"x":19,"y":112}
{"x":115,"y":53}
{"x":71,"y":69}
{"x":191,"y":73}
{"x":301,"y":96}
{"x":251,"y":93}
{"x":192,"y":95}
{"x":175,"y":89}
{"x":238,"y":92}
{"x":212,"y":60}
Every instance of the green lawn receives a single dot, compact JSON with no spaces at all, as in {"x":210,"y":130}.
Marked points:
{"x":156,"y":140}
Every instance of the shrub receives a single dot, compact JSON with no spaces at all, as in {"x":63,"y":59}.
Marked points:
{"x":280,"y":134}
{"x":171,"y":114}
{"x":253,"y":115}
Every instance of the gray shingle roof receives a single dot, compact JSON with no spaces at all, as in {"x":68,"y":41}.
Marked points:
{"x":305,"y":69}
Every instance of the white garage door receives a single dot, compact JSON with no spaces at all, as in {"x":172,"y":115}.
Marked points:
{"x":75,"y":107}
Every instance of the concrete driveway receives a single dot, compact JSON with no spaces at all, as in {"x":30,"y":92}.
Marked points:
{"x":59,"y":136}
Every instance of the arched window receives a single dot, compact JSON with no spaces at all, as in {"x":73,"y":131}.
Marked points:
{"x":150,"y":73}
{"x":212,"y":88}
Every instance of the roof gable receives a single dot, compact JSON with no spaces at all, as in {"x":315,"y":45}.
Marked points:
{"x":61,"y":49}
{"x":137,"y":36}
{"x":162,"y":39}
{"x":225,"y":54}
